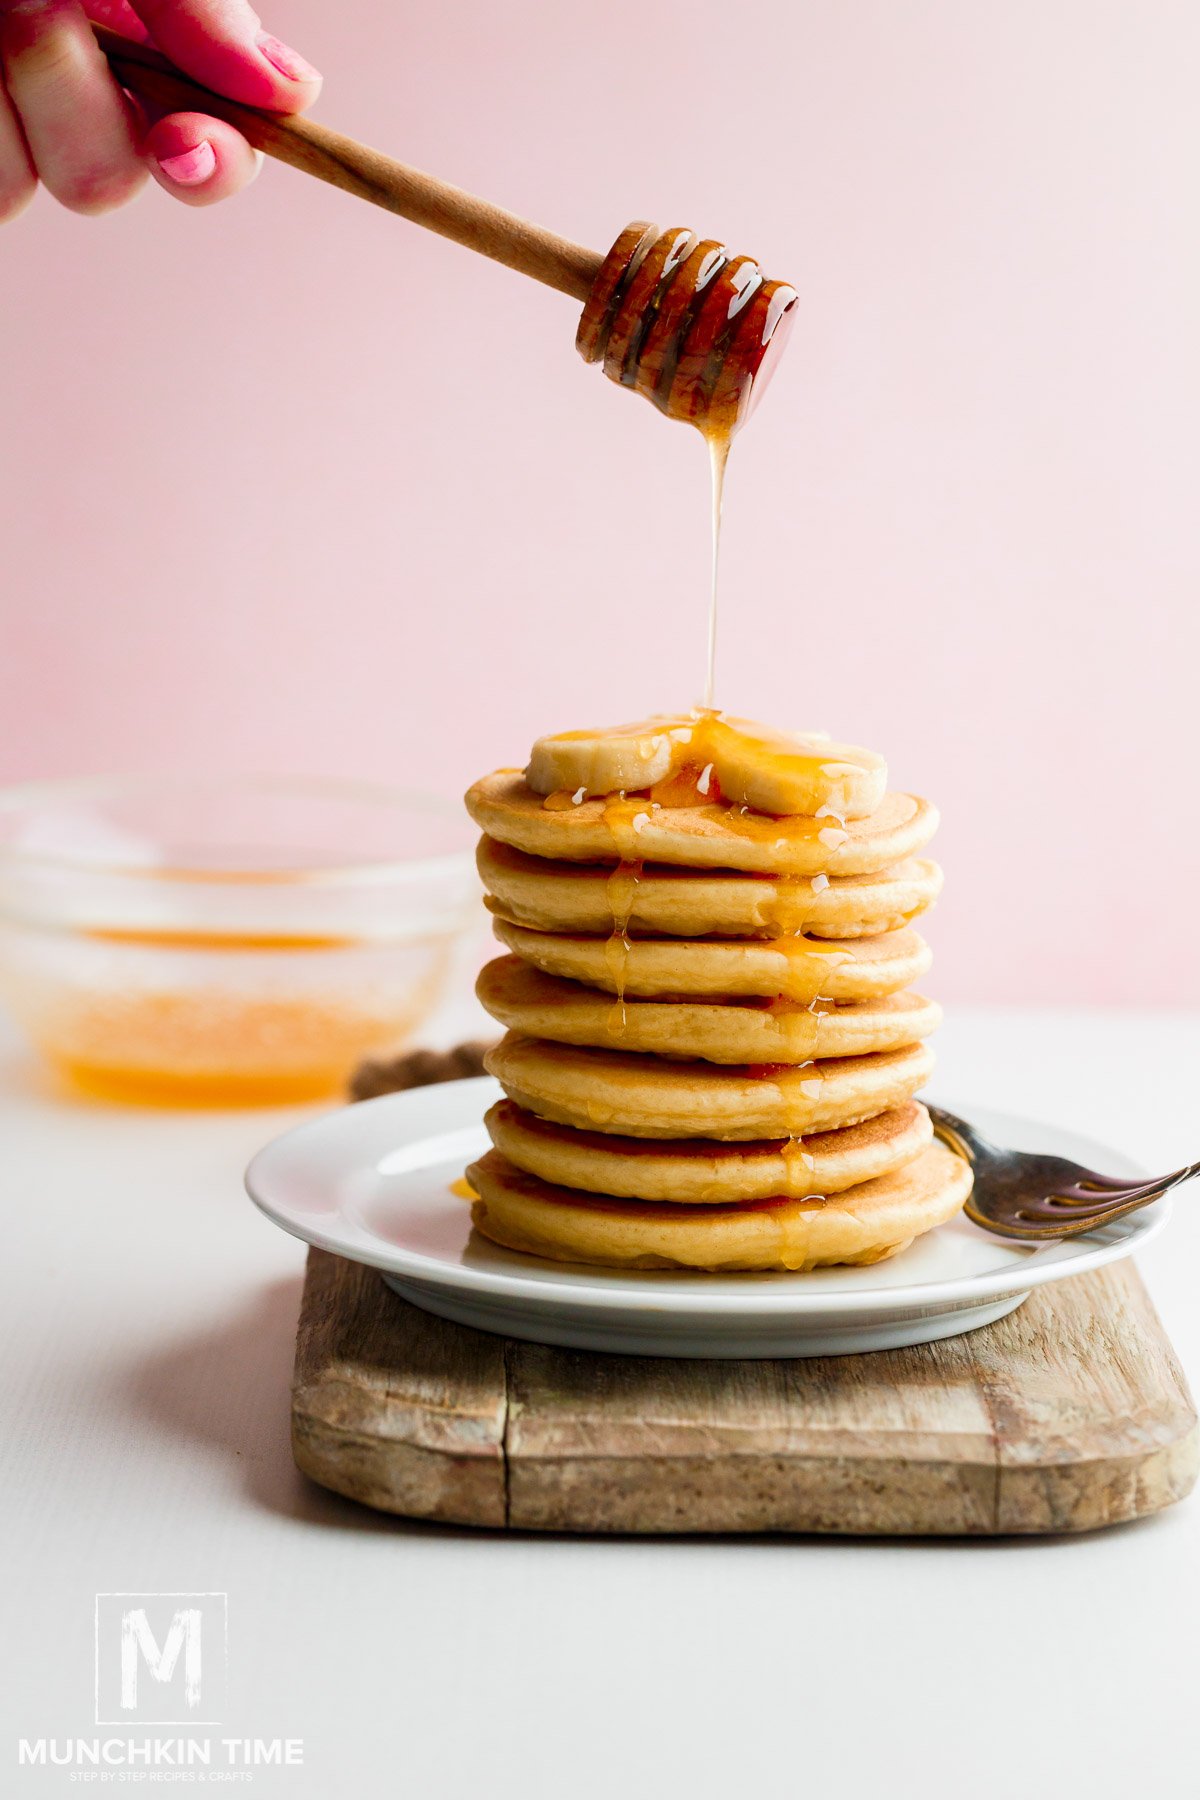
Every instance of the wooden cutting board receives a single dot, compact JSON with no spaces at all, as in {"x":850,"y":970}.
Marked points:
{"x":1071,"y":1413}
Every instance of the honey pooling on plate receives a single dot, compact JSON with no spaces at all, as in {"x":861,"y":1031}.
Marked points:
{"x":721,"y":1070}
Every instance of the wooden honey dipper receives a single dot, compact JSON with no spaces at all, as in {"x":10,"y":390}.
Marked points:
{"x":674,"y":317}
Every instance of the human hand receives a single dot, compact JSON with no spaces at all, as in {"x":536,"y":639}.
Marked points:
{"x":64,"y":119}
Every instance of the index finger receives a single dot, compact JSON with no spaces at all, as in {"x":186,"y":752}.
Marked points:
{"x":222,"y":43}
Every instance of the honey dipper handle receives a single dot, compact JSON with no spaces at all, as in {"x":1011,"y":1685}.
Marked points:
{"x":330,"y":156}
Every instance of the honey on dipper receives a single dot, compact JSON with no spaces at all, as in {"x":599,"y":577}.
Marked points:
{"x":697,"y":332}
{"x":713,"y":1048}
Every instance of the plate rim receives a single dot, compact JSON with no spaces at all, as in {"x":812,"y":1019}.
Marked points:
{"x":756,"y":1299}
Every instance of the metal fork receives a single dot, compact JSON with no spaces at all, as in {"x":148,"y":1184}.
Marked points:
{"x":1019,"y":1194}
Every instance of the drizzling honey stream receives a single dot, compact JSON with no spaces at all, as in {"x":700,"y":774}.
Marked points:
{"x":718,"y":452}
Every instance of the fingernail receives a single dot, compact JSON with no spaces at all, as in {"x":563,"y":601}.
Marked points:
{"x":190,"y":167}
{"x":285,"y":59}
{"x":24,"y":19}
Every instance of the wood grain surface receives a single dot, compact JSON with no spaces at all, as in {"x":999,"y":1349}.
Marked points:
{"x":1071,"y":1413}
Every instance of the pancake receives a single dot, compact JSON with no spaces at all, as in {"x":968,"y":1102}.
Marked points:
{"x":863,"y":1225}
{"x":652,"y":1097}
{"x":780,"y":1031}
{"x":699,"y":1171}
{"x":721,"y":837}
{"x":712,"y":1049}
{"x":795,"y":968}
{"x":579,"y":897}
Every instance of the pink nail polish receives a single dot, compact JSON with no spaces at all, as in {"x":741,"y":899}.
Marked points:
{"x":25,"y":18}
{"x":27,"y":9}
{"x":190,"y":167}
{"x":285,"y":59}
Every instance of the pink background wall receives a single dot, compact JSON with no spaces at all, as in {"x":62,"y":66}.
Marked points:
{"x":292,"y":485}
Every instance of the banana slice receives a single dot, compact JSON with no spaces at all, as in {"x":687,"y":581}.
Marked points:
{"x":714,"y":759}
{"x":623,"y":758}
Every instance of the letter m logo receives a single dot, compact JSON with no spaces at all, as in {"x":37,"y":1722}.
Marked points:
{"x":138,"y":1645}
{"x":160,"y":1658}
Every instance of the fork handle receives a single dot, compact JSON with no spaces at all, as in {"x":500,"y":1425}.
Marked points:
{"x":957,"y":1134}
{"x":357,"y":169}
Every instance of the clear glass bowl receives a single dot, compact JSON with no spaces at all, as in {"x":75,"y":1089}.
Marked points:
{"x":227,"y":939}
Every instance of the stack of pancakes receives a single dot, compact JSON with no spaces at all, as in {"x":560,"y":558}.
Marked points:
{"x":712,"y":1046}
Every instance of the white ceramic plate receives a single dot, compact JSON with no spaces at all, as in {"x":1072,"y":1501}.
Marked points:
{"x":372,"y":1183}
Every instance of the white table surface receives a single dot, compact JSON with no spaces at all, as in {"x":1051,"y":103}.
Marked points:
{"x":147,"y":1327}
